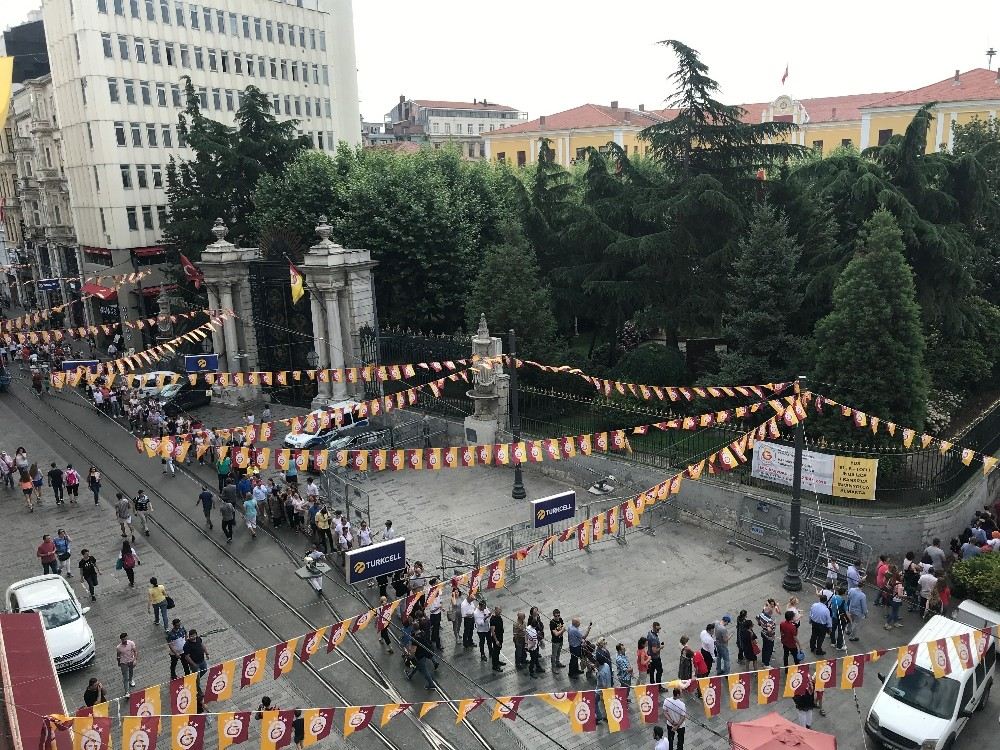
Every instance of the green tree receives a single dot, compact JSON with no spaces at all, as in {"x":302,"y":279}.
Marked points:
{"x":219,"y":181}
{"x":765,"y":294}
{"x":509,"y":290}
{"x":869,"y":351}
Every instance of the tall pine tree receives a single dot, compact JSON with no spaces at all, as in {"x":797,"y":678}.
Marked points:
{"x":870,"y":348}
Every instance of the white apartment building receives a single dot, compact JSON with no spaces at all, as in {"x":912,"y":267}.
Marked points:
{"x":117,"y":68}
{"x":461,"y":124}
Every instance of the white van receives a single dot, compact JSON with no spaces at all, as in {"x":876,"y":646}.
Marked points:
{"x":321,"y":439}
{"x":975,"y":614}
{"x":923,"y":712}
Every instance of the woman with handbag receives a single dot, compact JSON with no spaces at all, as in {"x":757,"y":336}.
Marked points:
{"x":127,"y":560}
{"x":158,"y":602}
{"x":747,"y":640}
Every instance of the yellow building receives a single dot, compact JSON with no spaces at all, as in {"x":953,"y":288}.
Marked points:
{"x":859,"y":120}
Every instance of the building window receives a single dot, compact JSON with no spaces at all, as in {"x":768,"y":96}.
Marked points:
{"x":126,"y":171}
{"x":123,"y":47}
{"x":213,"y":63}
{"x":165,"y":11}
{"x":113,"y":89}
{"x":312,"y":45}
{"x":195,"y":18}
{"x":185,"y":57}
{"x":295,"y":70}
{"x":434,"y":127}
{"x":322,"y":40}
{"x":281,"y":33}
{"x":129,"y":91}
{"x":302,"y":37}
{"x":83,"y":90}
{"x":238,"y":63}
{"x":269,"y":29}
{"x":224,"y":60}
{"x":249,"y":64}
{"x":502,"y":157}
{"x":199,"y":58}
{"x":175,"y":94}
{"x":106,"y":44}
{"x":132,"y":218}
{"x":469,"y":128}
{"x":136,"y":134}
{"x":161,"y":95}
{"x":154,"y":51}
{"x":447,"y":128}
{"x":480,"y":128}
{"x":276,"y":104}
{"x":147,"y":217}
{"x":884,"y":136}
{"x":165,"y":136}
{"x":229,"y":100}
{"x":179,"y":13}
{"x":168,"y":48}
{"x":144,"y":92}
{"x":119,"y":7}
{"x":233,"y":30}
{"x":97,"y":180}
{"x":472,"y":150}
{"x":217,"y":99}
{"x":220,"y":21}
{"x":157,"y":172}
{"x":161,"y":216}
{"x":150,"y":10}
{"x":326,"y":75}
{"x":90,"y":135}
{"x":203,"y":97}
{"x":284,"y":70}
{"x":120,"y":133}
{"x":246,"y":27}
{"x":256,"y":29}
{"x":133,"y":6}
{"x":817,"y":146}
{"x":207,"y":17}
{"x":140,"y":50}
{"x":482,"y":150}
{"x":522,"y":158}
{"x":140,"y":173}
{"x":274,"y":68}
{"x":102,"y":6}
{"x":151,"y":135}
{"x":104,"y":224}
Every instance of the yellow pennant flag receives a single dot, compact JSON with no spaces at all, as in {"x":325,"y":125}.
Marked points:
{"x":6,"y":81}
{"x":560,"y":701}
{"x":391,"y":710}
{"x":465,"y":706}
{"x":989,"y":464}
{"x":298,"y":283}
{"x":425,"y":708}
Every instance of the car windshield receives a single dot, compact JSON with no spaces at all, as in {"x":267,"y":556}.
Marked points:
{"x":56,"y":614}
{"x":923,"y":691}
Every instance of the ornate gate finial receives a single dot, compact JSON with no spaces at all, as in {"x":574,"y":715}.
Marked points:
{"x":220,"y":230}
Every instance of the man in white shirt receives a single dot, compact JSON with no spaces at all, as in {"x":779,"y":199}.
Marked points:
{"x":661,"y":741}
{"x":312,"y":489}
{"x":468,"y":620}
{"x":675,"y":714}
{"x":926,"y":582}
{"x":707,"y":638}
{"x":388,"y":532}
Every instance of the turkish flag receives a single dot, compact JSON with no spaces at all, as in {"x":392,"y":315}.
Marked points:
{"x":191,"y":272}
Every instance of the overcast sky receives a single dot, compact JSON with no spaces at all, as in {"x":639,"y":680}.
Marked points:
{"x":544,"y":56}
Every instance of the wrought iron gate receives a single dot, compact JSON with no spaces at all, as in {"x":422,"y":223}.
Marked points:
{"x":284,"y":331}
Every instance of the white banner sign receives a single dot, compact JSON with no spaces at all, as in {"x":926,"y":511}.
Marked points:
{"x":775,"y":463}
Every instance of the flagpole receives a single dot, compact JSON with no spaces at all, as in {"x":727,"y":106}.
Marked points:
{"x":793,"y":579}
{"x":517,"y":492}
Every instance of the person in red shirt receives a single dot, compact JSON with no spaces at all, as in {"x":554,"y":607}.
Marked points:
{"x":46,"y":552}
{"x":790,"y":637}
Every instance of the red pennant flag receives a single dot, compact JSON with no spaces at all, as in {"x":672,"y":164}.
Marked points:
{"x":852,"y":671}
{"x":183,"y":695}
{"x":768,"y":682}
{"x":906,"y":660}
{"x":357,"y":718}
{"x":583,"y":715}
{"x":187,"y":732}
{"x":648,"y":699}
{"x":191,"y":272}
{"x":739,"y":690}
{"x":138,"y":733}
{"x":711,"y":694}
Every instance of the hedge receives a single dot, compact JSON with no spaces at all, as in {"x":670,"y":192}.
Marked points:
{"x":978,"y":578}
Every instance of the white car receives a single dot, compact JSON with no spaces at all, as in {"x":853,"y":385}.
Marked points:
{"x":67,"y":634}
{"x":321,"y":438}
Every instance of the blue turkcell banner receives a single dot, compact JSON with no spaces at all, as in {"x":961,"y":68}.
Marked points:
{"x":554,"y":508}
{"x":201,"y":362}
{"x":384,"y":558}
{"x":47,"y":285}
{"x":72,"y":365}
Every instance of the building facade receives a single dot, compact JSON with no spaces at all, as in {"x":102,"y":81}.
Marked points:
{"x":461,"y":124}
{"x":825,"y":124}
{"x":117,"y":87}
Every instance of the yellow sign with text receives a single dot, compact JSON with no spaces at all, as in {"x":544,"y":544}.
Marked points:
{"x":854,"y":478}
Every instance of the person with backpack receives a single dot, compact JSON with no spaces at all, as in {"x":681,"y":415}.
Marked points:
{"x":63,"y":553}
{"x":127,"y":561}
{"x":838,"y":615}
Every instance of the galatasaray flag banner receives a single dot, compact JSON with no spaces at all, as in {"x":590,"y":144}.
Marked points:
{"x":92,"y":733}
{"x":583,"y":714}
{"x":317,"y":723}
{"x":145,"y":702}
{"x":276,"y":729}
{"x":187,"y":732}
{"x":465,"y":706}
{"x":284,"y":657}
{"x":298,"y":282}
{"x":391,"y":710}
{"x":253,"y":668}
{"x":219,"y":681}
{"x":616,"y":708}
{"x":648,"y":699}
{"x":506,"y":707}
{"x":711,"y":694}
{"x":357,"y":718}
{"x":184,"y":694}
{"x":768,"y":686}
{"x":234,"y":728}
{"x":140,"y":732}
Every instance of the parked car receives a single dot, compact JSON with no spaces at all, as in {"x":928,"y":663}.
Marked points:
{"x":67,"y":633}
{"x":358,"y":437}
{"x":176,"y":397}
{"x":321,"y":438}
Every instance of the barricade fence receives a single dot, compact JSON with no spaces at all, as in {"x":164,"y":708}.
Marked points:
{"x":341,"y":491}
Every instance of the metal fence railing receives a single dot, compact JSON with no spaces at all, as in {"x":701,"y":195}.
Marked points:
{"x":341,"y":491}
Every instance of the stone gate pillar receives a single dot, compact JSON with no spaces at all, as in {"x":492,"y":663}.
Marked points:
{"x":225,"y":267}
{"x":342,"y":300}
{"x":490,"y":391}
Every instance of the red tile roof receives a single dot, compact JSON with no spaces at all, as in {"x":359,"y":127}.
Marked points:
{"x":586,"y":116}
{"x":973,"y":85}
{"x":435,"y":104}
{"x":822,"y":109}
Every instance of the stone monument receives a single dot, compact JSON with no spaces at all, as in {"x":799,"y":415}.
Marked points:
{"x":490,"y":390}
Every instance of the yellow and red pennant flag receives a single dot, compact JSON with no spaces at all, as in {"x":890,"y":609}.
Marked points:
{"x":583,"y":714}
{"x":219,"y":681}
{"x":363,"y":621}
{"x":796,"y":680}
{"x":852,"y":671}
{"x":385,"y":613}
{"x":497,"y":574}
{"x":465,"y":706}
{"x":583,"y":535}
{"x":145,"y":702}
{"x":317,"y":723}
{"x":298,"y":282}
{"x":711,"y":695}
{"x":233,"y":728}
{"x":560,"y":701}
{"x":963,"y":647}
{"x":391,"y":710}
{"x":357,"y":718}
{"x":940,"y":661}
{"x":140,"y":732}
{"x":311,"y":643}
{"x":252,"y":670}
{"x":768,"y":686}
{"x":739,"y":690}
{"x":826,"y":674}
{"x":506,"y":707}
{"x":92,"y":733}
{"x":989,"y":463}
{"x":647,"y":698}
{"x":183,"y":694}
{"x":427,"y":707}
{"x":187,"y":732}
{"x":616,"y":708}
{"x":284,"y":657}
{"x":906,"y":659}
{"x":276,"y":729}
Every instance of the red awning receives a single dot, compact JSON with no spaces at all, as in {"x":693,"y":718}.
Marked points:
{"x":154,"y":291}
{"x":147,"y":252}
{"x":105,"y":293}
{"x":96,"y":251}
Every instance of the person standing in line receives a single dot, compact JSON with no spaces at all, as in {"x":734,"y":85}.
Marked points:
{"x":94,"y":483}
{"x":898,"y":593}
{"x":675,"y":714}
{"x":207,"y":500}
{"x":47,"y":555}
{"x":723,"y":665}
{"x":128,"y":657}
{"x":481,"y":618}
{"x":748,"y":638}
{"x":574,"y":639}
{"x":642,"y":660}
{"x":455,"y":611}
{"x":685,"y":665}
{"x":94,"y":693}
{"x":364,"y":535}
{"x":222,"y":468}
{"x":143,"y":509}
{"x":56,"y":482}
{"x":157,"y":602}
{"x":468,"y":609}
{"x":63,"y":552}
{"x":89,"y":571}
{"x":820,"y":622}
{"x":936,"y":554}
{"x":622,"y":667}
{"x":323,"y":521}
{"x":767,"y":630}
{"x":176,"y":638}
{"x":496,"y":639}
{"x":298,"y":729}
{"x":227,"y":511}
{"x":707,"y":638}
{"x":789,"y":635}
{"x":531,"y":648}
{"x":123,"y":513}
{"x":388,"y":532}
{"x":925,"y":585}
{"x":127,"y":561}
{"x":434,"y":613}
{"x":250,"y":514}
{"x":557,"y":630}
{"x":72,"y":479}
{"x":654,"y":646}
{"x":520,"y":650}
{"x":857,"y":610}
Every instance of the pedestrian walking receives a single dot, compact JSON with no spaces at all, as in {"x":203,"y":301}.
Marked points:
{"x":7,"y":470}
{"x":722,"y":636}
{"x":839,"y":617}
{"x":557,"y":630}
{"x":94,"y":483}
{"x":72,"y":479}
{"x":298,"y":729}
{"x":207,"y":501}
{"x":805,"y":699}
{"x":468,"y":610}
{"x":89,"y":571}
{"x":496,"y":639}
{"x":388,"y":532}
{"x":424,"y":657}
{"x":94,"y":693}
{"x":364,"y":535}
{"x":675,"y":714}
{"x":176,"y":639}
{"x":128,"y":657}
{"x":157,"y":602}
{"x":434,"y":613}
{"x":46,"y":554}
{"x":481,"y":618}
{"x":28,"y":489}
{"x":820,"y":622}
{"x":227,"y":512}
{"x":63,"y":552}
{"x":143,"y":509}
{"x":857,"y":610}
{"x":37,"y":480}
{"x":196,"y":653}
{"x":123,"y":514}
{"x":250,"y":514}
{"x":654,"y":647}
{"x":127,"y":561}
{"x":55,"y":476}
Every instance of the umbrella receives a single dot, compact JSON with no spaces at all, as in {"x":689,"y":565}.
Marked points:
{"x":775,"y":732}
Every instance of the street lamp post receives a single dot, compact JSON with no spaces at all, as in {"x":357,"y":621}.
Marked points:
{"x":793,"y":579}
{"x":517,"y":492}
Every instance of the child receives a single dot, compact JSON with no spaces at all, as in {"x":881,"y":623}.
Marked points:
{"x":642,"y":661}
